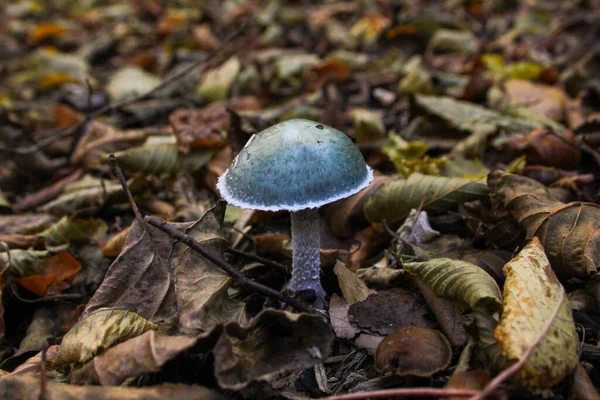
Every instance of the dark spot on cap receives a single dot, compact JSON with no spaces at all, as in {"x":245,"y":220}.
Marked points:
{"x":319,"y":126}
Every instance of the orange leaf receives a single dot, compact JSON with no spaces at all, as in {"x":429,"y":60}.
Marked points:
{"x":56,"y":275}
{"x":46,"y":31}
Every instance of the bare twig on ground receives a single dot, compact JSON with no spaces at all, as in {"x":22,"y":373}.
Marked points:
{"x":236,"y":275}
{"x":259,"y":259}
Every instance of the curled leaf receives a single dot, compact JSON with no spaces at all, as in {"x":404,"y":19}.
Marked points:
{"x":99,"y":331}
{"x":394,"y":200}
{"x":569,"y":233}
{"x":536,"y":313}
{"x":164,"y":159}
{"x":462,"y":281}
{"x":143,"y":354}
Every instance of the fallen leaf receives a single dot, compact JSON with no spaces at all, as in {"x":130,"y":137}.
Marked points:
{"x":114,"y":245}
{"x":543,"y":99}
{"x":55,"y":276}
{"x":129,"y":82}
{"x":536,"y":305}
{"x":389,"y":310}
{"x":164,"y":159}
{"x":77,"y":230}
{"x":202,"y":287}
{"x":413,"y":350}
{"x":544,"y":148}
{"x":474,"y":380}
{"x":98,"y":331}
{"x":273,"y":342}
{"x":569,"y":233}
{"x":462,"y":281}
{"x":45,"y":31}
{"x":447,"y":314}
{"x":33,"y":365}
{"x":25,"y":387}
{"x":342,"y":215}
{"x":394,"y":200}
{"x":216,"y":83}
{"x":338,"y":314}
{"x":353,"y":288}
{"x":583,"y":387}
{"x":144,"y":354}
{"x":207,"y":127}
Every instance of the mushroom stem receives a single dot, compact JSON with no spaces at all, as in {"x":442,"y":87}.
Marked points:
{"x":306,"y":265}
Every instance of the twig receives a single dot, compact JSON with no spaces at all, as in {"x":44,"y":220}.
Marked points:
{"x":42,"y":395}
{"x":68,"y":131}
{"x":236,"y":275}
{"x":408,"y":392}
{"x":121,"y":178}
{"x":510,"y":371}
{"x":45,"y":299}
{"x":259,"y":259}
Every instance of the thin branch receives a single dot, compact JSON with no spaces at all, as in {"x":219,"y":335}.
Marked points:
{"x":236,"y":275}
{"x":408,"y":392}
{"x":121,"y":178}
{"x":259,"y":259}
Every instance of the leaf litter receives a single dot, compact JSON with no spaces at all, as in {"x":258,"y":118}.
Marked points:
{"x":469,"y":264}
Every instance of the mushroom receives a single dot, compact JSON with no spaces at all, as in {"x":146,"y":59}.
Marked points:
{"x":297,"y":165}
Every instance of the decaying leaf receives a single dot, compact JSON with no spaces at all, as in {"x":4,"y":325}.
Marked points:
{"x":547,"y":148}
{"x":389,"y":310}
{"x":201,"y":287}
{"x":569,"y":233}
{"x":413,"y":350}
{"x":536,"y":306}
{"x":67,"y":230}
{"x":139,"y":280}
{"x":164,"y":159}
{"x":57,"y":274}
{"x":353,"y":288}
{"x":25,"y":262}
{"x":25,"y":387}
{"x":99,"y":331}
{"x":338,"y":314}
{"x":216,"y":83}
{"x":33,"y":365}
{"x":143,"y":354}
{"x":115,"y":244}
{"x":462,"y":281}
{"x":273,"y":342}
{"x":393,"y":201}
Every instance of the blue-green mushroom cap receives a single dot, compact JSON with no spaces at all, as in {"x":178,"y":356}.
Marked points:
{"x":294,"y":165}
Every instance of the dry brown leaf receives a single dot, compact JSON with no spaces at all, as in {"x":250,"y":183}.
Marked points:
{"x":353,"y":288}
{"x":33,"y":365}
{"x":474,"y":380}
{"x":447,"y":314}
{"x":140,"y":279}
{"x":546,"y":148}
{"x":208,"y":126}
{"x":57,"y":275}
{"x":389,"y":310}
{"x":201,"y":286}
{"x":536,"y":306}
{"x":543,"y":99}
{"x":338,"y":314}
{"x":28,"y":388}
{"x":413,"y":350}
{"x":368,"y":240}
{"x":342,"y":215}
{"x":583,"y":387}
{"x":570,"y":233}
{"x":115,"y":244}
{"x":273,"y":342}
{"x":143,"y":354}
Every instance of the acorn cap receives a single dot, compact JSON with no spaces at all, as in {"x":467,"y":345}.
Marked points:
{"x":294,"y":165}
